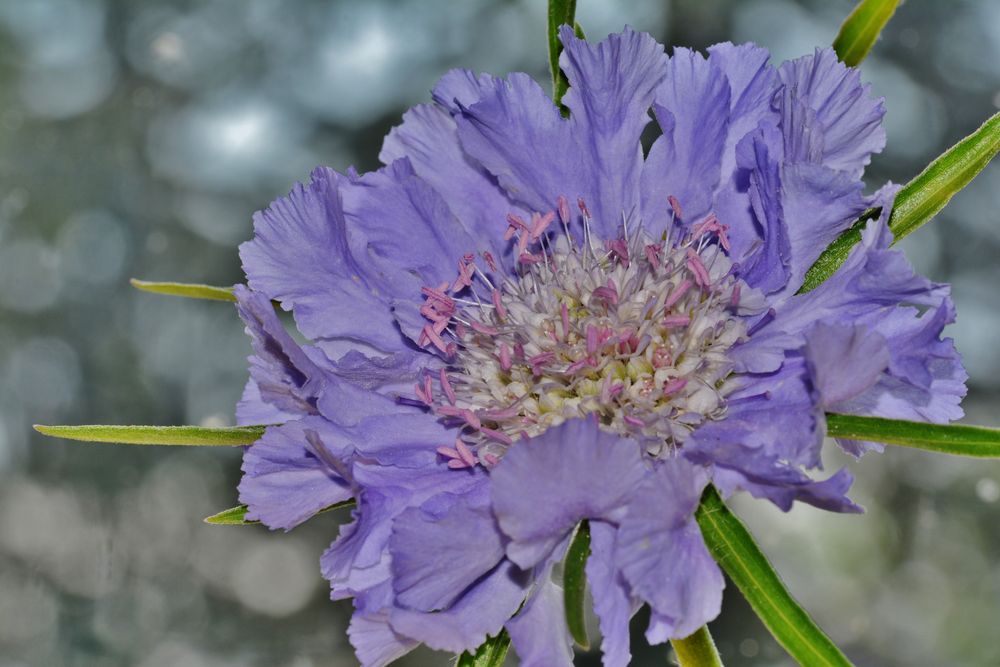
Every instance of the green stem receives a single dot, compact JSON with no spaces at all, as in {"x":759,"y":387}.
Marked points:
{"x":698,"y":650}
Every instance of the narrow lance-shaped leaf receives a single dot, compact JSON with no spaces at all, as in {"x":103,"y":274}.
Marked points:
{"x":491,"y":654}
{"x":236,"y":516}
{"x":188,"y":290}
{"x":575,"y":584}
{"x":157,"y":435}
{"x":561,"y":12}
{"x":860,"y":30}
{"x":736,"y":552}
{"x":920,"y":199}
{"x":958,"y":439}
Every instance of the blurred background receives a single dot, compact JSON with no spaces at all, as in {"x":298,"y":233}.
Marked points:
{"x":136,"y":139}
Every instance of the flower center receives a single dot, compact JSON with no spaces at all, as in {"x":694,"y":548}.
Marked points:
{"x":631,"y":331}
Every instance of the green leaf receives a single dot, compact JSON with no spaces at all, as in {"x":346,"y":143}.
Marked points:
{"x":188,"y":290}
{"x":736,"y":552}
{"x":960,"y":439}
{"x":157,"y":435}
{"x":490,"y":654}
{"x":236,"y":516}
{"x":561,"y":12}
{"x":860,"y":30}
{"x":925,"y":195}
{"x":920,"y":199}
{"x":575,"y":584}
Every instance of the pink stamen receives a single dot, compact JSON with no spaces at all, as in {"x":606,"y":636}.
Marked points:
{"x":466,"y":270}
{"x":591,"y":339}
{"x":678,"y":293}
{"x":734,"y":300}
{"x":433,"y":336}
{"x":528,"y":258}
{"x":496,"y":435}
{"x":449,"y":391}
{"x":540,"y":224}
{"x":499,"y":415}
{"x":653,"y":254}
{"x":619,"y":249}
{"x":696,"y":267}
{"x":515,"y":224}
{"x":676,"y":321}
{"x":465,"y":453}
{"x":583,"y":208}
{"x":563,"y":205}
{"x":498,"y":304}
{"x":676,"y":206}
{"x":674,"y":386}
{"x":522,"y":244}
{"x":564,"y":314}
{"x":457,"y":464}
{"x":422,"y":395}
{"x":609,"y":293}
{"x":540,"y":360}
{"x":448,"y":410}
{"x":471,"y":419}
{"x":711,"y":225}
{"x":492,"y":459}
{"x":490,"y":262}
{"x":633,"y":421}
{"x":504,"y":357}
{"x":484,"y":328}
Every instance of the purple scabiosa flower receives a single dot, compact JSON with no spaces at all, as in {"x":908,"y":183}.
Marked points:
{"x":522,"y":322}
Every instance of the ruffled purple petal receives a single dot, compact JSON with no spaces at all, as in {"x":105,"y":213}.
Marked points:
{"x":411,"y":238}
{"x":423,"y":578}
{"x":612,"y":85}
{"x":546,"y":484}
{"x":752,"y":83}
{"x":817,"y":204}
{"x":428,"y":137}
{"x":286,"y":377}
{"x":662,"y":555}
{"x":305,"y":255}
{"x":613,"y":602}
{"x":849,"y":120}
{"x":539,"y":632}
{"x":481,"y":611}
{"x":771,"y":431}
{"x":359,"y":559}
{"x":765,"y":264}
{"x":925,"y":379}
{"x":460,"y":88}
{"x":516,"y":132}
{"x":294,"y":471}
{"x":253,"y":409}
{"x":693,"y":108}
{"x":844,"y":361}
{"x":762,"y":481}
{"x":375,"y":643}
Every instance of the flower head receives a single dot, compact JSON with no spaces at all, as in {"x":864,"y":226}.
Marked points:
{"x":522,"y":322}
